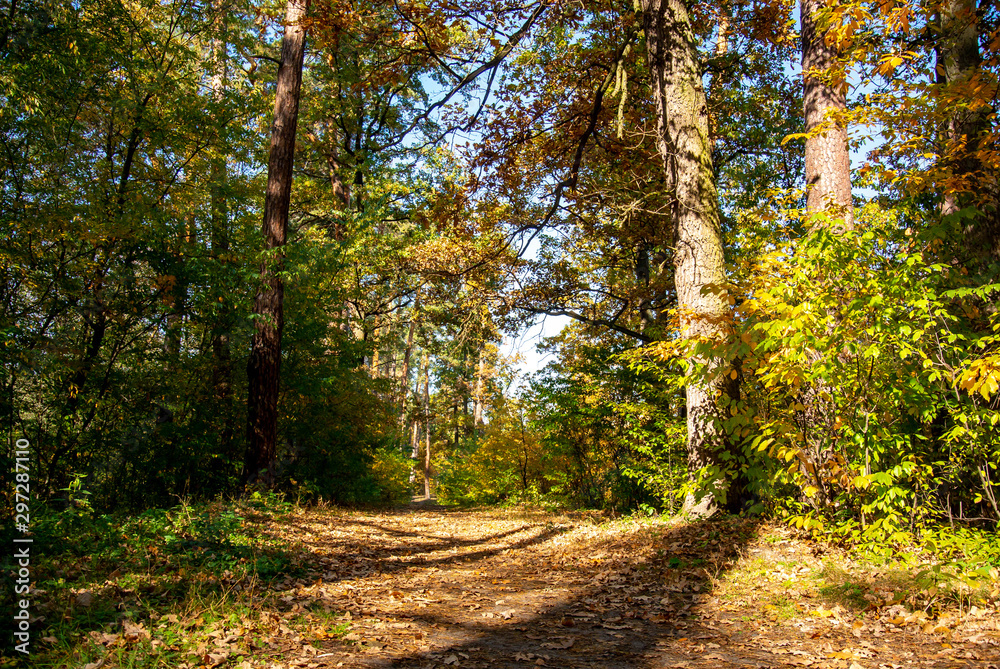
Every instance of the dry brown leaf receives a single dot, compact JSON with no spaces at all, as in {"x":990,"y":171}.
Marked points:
{"x":559,"y":645}
{"x":214,"y":659}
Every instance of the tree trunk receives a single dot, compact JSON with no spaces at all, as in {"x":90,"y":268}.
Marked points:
{"x":373,"y":369}
{"x":682,"y":124}
{"x":828,"y":178}
{"x":477,"y":406}
{"x":264,"y":365}
{"x":427,"y":461}
{"x":222,"y":369}
{"x":173,"y":333}
{"x":427,"y":426}
{"x":341,"y":190}
{"x":414,"y":448}
{"x":958,"y":63}
{"x":828,"y":163}
{"x":417,"y":419}
{"x":407,"y":352}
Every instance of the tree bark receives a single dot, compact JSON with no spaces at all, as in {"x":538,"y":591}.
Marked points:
{"x":373,"y":364}
{"x":959,"y":62}
{"x":828,"y":179}
{"x":427,"y":426}
{"x":264,"y":365}
{"x":477,"y":406}
{"x":683,"y":140}
{"x":407,"y":352}
{"x":222,"y":368}
{"x":416,"y":421}
{"x":828,"y":162}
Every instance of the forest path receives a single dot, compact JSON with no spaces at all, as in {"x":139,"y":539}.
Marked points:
{"x":432,"y":588}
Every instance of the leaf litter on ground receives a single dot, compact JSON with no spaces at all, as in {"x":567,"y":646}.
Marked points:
{"x":516,"y":588}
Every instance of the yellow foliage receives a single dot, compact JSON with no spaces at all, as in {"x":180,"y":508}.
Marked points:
{"x":982,"y":376}
{"x":391,"y":471}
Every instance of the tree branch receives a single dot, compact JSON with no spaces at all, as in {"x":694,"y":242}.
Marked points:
{"x":611,"y":325}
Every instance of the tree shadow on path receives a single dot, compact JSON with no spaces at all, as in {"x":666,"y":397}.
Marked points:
{"x":504,"y":590}
{"x":533,"y":595}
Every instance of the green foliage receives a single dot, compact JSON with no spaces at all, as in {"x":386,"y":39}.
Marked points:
{"x":613,"y":432}
{"x":209,"y":537}
{"x":130,"y":212}
{"x":391,"y":473}
{"x":868,"y":364}
{"x":506,"y":465}
{"x":175,"y":573}
{"x":854,"y":350}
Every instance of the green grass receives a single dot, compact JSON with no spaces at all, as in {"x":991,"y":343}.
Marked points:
{"x":780,"y":608}
{"x":174,"y":577}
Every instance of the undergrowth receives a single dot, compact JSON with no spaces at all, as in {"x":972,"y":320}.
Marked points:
{"x":155,"y":589}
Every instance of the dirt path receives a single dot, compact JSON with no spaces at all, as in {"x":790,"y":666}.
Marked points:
{"x":432,"y":588}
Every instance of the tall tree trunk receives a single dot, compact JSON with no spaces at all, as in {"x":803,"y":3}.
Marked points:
{"x":340,"y":189}
{"x":264,"y":366}
{"x":174,"y":332}
{"x":407,"y":352}
{"x":477,"y":407}
{"x":828,"y":178}
{"x":682,"y":124}
{"x":959,"y":62}
{"x":417,"y":420}
{"x":414,"y":447}
{"x":828,"y":162}
{"x":461,"y":396}
{"x":373,"y":370}
{"x":427,"y":426}
{"x":222,"y":367}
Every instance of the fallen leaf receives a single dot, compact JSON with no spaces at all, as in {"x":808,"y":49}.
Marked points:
{"x":214,"y":659}
{"x":559,"y":645}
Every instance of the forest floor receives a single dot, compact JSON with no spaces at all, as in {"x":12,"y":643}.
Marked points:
{"x":429,"y":587}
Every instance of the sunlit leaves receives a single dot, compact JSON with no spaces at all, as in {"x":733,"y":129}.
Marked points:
{"x":982,"y":376}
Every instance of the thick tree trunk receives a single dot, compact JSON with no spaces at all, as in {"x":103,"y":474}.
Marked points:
{"x":828,"y":162}
{"x":264,"y":366}
{"x":682,"y":123}
{"x":828,"y":178}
